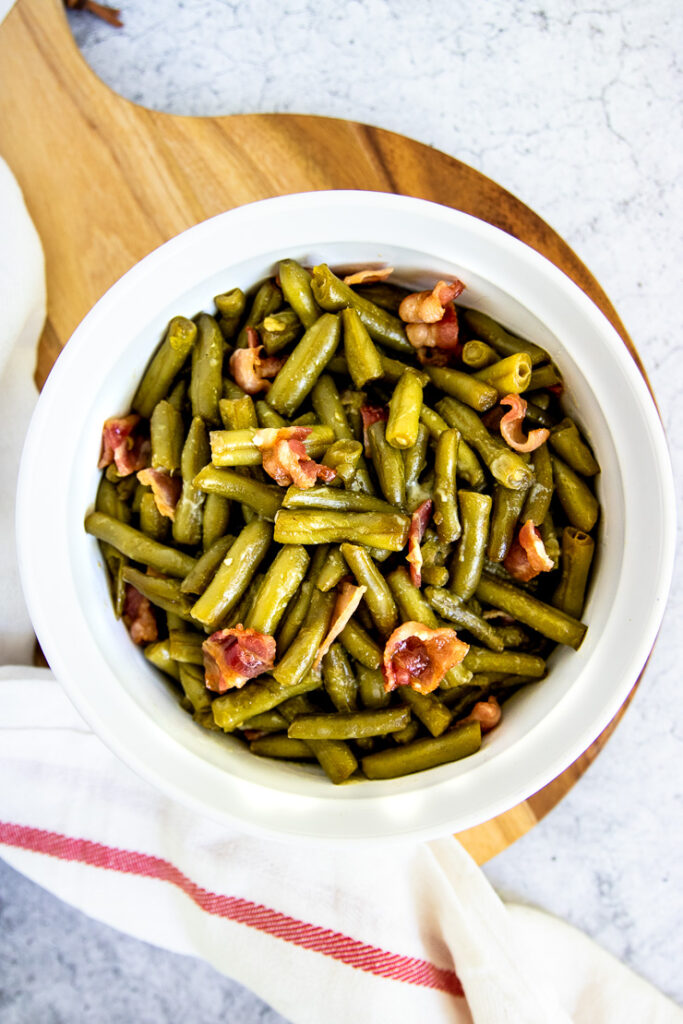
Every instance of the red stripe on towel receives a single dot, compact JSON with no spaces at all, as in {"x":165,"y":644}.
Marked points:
{"x":347,"y":950}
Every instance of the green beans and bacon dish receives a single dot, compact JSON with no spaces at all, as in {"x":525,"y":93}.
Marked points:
{"x":346,"y":520}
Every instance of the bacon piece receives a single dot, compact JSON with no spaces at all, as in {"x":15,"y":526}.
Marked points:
{"x":487,"y":712}
{"x":511,"y":427}
{"x":233,"y":656}
{"x":429,"y":307}
{"x":249,"y":367}
{"x":435,"y":356}
{"x":165,"y":489}
{"x":371,"y":414}
{"x":442,"y":334}
{"x":527,"y":557}
{"x":418,"y":525}
{"x":369,"y":276}
{"x":348,"y":599}
{"x":120,"y":445}
{"x":419,"y":657}
{"x":139,"y":617}
{"x":285,"y":457}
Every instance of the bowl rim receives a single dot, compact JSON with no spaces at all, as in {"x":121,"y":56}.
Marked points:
{"x":509,"y":791}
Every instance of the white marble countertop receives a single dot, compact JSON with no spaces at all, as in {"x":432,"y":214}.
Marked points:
{"x":576,"y":110}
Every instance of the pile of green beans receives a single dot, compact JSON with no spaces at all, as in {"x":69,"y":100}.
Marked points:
{"x":242,"y":549}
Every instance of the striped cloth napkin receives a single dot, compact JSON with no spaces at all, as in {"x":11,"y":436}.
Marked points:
{"x":402,"y":932}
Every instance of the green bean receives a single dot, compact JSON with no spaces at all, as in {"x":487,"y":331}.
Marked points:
{"x":451,"y":607}
{"x":437,"y":575}
{"x":349,"y":725}
{"x":167,"y":435}
{"x":238,"y":413}
{"x":407,"y":734}
{"x":415,"y":458}
{"x":463,"y":386}
{"x":307,"y":419}
{"x":234,"y":574}
{"x":231,"y":390}
{"x":478,"y":659}
{"x":279,"y":329}
{"x":431,"y":711}
{"x":510,"y":375}
{"x":388,"y":463}
{"x":166,"y":362}
{"x":164,"y":593}
{"x":329,"y":409}
{"x":346,"y":458}
{"x":174,"y":621}
{"x":468,"y":561}
{"x":371,"y":687}
{"x":363,"y":359}
{"x":215,"y":519}
{"x":187,"y":524}
{"x":295,"y":613}
{"x":577,"y":554}
{"x":332,"y":294}
{"x":134,"y":545}
{"x":231,"y":307}
{"x":378,"y":596}
{"x":507,"y":506}
{"x":206,"y":382}
{"x":309,"y":526}
{"x":267,"y":417}
{"x":477,"y":354}
{"x":570,"y":446}
{"x":300,"y":655}
{"x":192,"y":682}
{"x":338,"y":365}
{"x":281,"y":582}
{"x":334,"y":570}
{"x":305,"y":364}
{"x":159,"y":654}
{"x":360,"y":645}
{"x":422,"y":754}
{"x":177,"y":396}
{"x":537,"y":415}
{"x":267,"y":300}
{"x":549,"y":538}
{"x":233,"y":708}
{"x":511,"y":636}
{"x":295,"y":282}
{"x":353,"y":402}
{"x":508,"y":468}
{"x":445,"y":497}
{"x":322,"y":497}
{"x":503,"y":342}
{"x":404,"y":411}
{"x":237,"y":448}
{"x":383,"y":293}
{"x":545,"y":619}
{"x":262,"y":498}
{"x":339,"y":681}
{"x":468,"y":464}
{"x":281,"y":747}
{"x":541,"y":491}
{"x":186,"y":646}
{"x":544,"y":377}
{"x":269,"y":721}
{"x":579,"y":503}
{"x":334,"y":756}
{"x":393,"y":370}
{"x":152,"y":523}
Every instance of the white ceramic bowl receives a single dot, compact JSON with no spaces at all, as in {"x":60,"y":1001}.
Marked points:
{"x":123,"y":698}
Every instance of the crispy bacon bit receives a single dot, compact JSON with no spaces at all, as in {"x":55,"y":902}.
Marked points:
{"x":435,"y":356}
{"x":511,"y":426}
{"x":286,"y":460}
{"x":369,"y":276}
{"x":348,"y":599}
{"x":371,"y":414}
{"x":442,"y":334}
{"x":487,"y":712}
{"x":120,"y":445}
{"x":527,"y":556}
{"x":419,"y":657}
{"x":232,"y":656}
{"x":165,"y":489}
{"x":139,"y":617}
{"x":418,"y":525}
{"x":429,"y":307}
{"x":249,"y":367}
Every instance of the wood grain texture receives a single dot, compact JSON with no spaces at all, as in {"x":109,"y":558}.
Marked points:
{"x":107,"y":181}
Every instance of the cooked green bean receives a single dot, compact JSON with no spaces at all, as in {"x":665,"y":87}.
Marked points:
{"x":238,"y":413}
{"x":393,"y":370}
{"x":478,"y":659}
{"x":349,"y":725}
{"x":474,"y":393}
{"x":507,"y":507}
{"x":451,"y":607}
{"x":570,"y":446}
{"x":295,"y":613}
{"x":231,"y":306}
{"x":578,"y":501}
{"x":332,"y":294}
{"x":231,"y":390}
{"x":268,"y":721}
{"x":309,"y":526}
{"x":468,"y":464}
{"x":541,"y":491}
{"x":363,"y":360}
{"x":546,"y":620}
{"x":281,"y":582}
{"x":234,"y":574}
{"x":281,"y":747}
{"x":346,"y":458}
{"x":334,"y":570}
{"x":329,"y":409}
{"x":267,"y":417}
{"x":371,"y":687}
{"x":166,"y":362}
{"x":164,"y":593}
{"x":510,"y":375}
{"x":152,"y":522}
{"x":544,"y":377}
{"x":511,"y":636}
{"x":446,"y":515}
{"x":233,"y":708}
{"x":388,"y":463}
{"x":415,"y":458}
{"x":508,"y":468}
{"x":109,"y":501}
{"x":136,"y":546}
{"x":405,"y":735}
{"x":279,"y":329}
{"x":334,"y":756}
{"x":360,"y":645}
{"x":187,"y":524}
{"x":477,"y":354}
{"x":432,"y":712}
{"x":549,"y":538}
{"x":206,"y":382}
{"x":267,"y":300}
{"x":264,"y":499}
{"x":192,"y":682}
{"x":577,"y":555}
{"x":383,"y":293}
{"x":305,"y":364}
{"x":301,"y":653}
{"x":295,"y":282}
{"x":215,"y":518}
{"x":468,"y":561}
{"x":339,"y":681}
{"x":423,"y":754}
{"x":186,"y":646}
{"x":404,"y":411}
{"x":167,"y":436}
{"x":378,"y":596}
{"x":503,"y":342}
{"x":159,"y":653}
{"x":437,"y":575}
{"x":237,"y":448}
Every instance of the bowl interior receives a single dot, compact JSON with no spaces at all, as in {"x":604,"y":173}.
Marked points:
{"x":127,"y":701}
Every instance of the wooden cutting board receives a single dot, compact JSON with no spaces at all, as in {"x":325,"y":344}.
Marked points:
{"x":107,"y":181}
